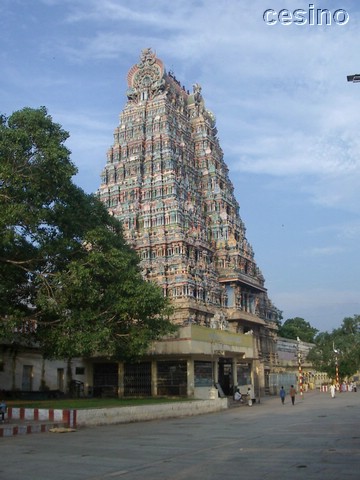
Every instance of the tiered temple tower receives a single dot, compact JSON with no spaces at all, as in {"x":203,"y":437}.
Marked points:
{"x":166,"y":180}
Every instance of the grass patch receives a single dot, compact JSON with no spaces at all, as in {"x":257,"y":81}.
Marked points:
{"x":84,"y":403}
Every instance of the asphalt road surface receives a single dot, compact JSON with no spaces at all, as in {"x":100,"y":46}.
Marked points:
{"x":317,"y":438}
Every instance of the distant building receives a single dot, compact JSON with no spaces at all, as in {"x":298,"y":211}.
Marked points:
{"x":25,"y":373}
{"x":166,"y":180}
{"x":293,"y":367}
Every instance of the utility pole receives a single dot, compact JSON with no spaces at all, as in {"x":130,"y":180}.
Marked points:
{"x":300,"y":368}
{"x":337,"y":370}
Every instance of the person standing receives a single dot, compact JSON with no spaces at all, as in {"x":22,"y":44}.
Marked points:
{"x":332,"y":390}
{"x":282,"y":395}
{"x":3,"y":408}
{"x":250,"y":396}
{"x":292,"y":394}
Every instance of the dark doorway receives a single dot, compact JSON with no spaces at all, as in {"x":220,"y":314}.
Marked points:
{"x":225,"y":375}
{"x":106,"y":379}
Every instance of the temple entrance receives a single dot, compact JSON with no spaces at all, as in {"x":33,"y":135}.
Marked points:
{"x":225,"y":375}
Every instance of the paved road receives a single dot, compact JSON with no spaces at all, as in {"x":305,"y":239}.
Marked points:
{"x":317,"y":438}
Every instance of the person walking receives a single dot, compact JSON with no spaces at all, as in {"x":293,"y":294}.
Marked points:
{"x":282,"y":395}
{"x":292,"y":393}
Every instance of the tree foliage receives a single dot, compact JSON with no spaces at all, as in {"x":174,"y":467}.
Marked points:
{"x":68,"y":280}
{"x":298,"y":328}
{"x":341,"y":346}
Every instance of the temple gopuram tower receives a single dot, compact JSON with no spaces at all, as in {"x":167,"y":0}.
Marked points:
{"x":166,"y":180}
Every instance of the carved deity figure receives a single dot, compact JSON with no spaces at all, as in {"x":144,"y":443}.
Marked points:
{"x":197,"y":93}
{"x":147,"y":57}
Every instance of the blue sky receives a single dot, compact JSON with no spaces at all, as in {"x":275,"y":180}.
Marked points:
{"x":288,"y":120}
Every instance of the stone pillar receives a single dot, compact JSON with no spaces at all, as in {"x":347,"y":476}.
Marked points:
{"x":121,"y":374}
{"x":154,"y":390}
{"x":190,"y":378}
{"x":258,"y":379}
{"x":89,"y":379}
{"x":216,"y":370}
{"x":234,"y":374}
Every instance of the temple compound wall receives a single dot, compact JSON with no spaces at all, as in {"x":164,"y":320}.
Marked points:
{"x":167,"y":181}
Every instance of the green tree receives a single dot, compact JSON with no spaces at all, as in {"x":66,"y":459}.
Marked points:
{"x":298,"y":328}
{"x":68,"y":280}
{"x":341,"y":346}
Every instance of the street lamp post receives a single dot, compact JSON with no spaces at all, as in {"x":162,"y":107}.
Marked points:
{"x":336,"y":367}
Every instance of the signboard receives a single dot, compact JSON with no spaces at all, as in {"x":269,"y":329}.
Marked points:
{"x":220,"y":390}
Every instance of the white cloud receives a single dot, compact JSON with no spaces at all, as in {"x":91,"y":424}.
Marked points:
{"x":321,"y":251}
{"x":343,"y":230}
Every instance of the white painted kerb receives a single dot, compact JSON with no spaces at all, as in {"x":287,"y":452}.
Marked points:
{"x":106,"y":416}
